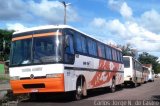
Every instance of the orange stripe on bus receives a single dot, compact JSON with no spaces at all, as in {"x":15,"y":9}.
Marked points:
{"x":47,"y":34}
{"x":36,"y":35}
{"x":22,"y":37}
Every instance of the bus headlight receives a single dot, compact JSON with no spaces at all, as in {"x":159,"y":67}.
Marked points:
{"x":15,"y":78}
{"x":53,"y":75}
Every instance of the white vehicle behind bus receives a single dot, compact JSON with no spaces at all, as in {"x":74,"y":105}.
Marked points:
{"x":151,"y":74}
{"x":132,"y":71}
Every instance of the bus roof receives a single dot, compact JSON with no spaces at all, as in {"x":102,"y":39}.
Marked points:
{"x":41,"y":28}
{"x":59,"y":27}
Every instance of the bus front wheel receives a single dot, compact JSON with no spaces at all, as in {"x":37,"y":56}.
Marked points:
{"x":80,"y":90}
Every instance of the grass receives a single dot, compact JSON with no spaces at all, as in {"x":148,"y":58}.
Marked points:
{"x":4,"y":77}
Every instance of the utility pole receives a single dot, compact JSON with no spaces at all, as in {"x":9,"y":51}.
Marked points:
{"x":65,"y":6}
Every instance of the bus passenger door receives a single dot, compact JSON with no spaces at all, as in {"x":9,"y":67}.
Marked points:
{"x":69,"y":59}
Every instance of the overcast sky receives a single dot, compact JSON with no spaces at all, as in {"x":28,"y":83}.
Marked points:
{"x":117,"y":21}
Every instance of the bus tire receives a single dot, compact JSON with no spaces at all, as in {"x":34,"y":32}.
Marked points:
{"x":80,"y":90}
{"x":113,"y":86}
{"x":120,"y":86}
{"x":134,"y":85}
{"x":33,"y":96}
{"x":139,"y":84}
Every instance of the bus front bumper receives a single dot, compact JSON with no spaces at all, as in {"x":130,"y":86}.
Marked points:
{"x":128,"y":79}
{"x":38,"y":85}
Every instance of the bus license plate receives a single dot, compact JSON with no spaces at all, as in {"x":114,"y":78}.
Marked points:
{"x":34,"y":90}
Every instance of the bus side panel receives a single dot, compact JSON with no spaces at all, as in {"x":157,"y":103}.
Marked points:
{"x":82,"y":66}
{"x":145,"y":76}
{"x":98,"y":73}
{"x":70,"y":79}
{"x":139,"y":76}
{"x":106,"y":71}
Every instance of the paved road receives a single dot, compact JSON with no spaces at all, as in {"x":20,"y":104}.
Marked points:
{"x":4,"y":86}
{"x":144,"y":95}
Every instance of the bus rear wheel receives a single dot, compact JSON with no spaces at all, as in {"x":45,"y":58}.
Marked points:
{"x":134,"y":85}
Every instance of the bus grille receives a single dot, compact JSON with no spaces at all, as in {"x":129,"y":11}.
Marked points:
{"x":26,"y":78}
{"x":28,"y":86}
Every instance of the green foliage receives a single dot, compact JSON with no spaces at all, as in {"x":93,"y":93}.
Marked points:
{"x":127,"y":51}
{"x":146,"y":58}
{"x":158,"y":69}
{"x":5,"y":42}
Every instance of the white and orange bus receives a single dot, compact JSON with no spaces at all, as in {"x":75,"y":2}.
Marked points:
{"x":132,"y":71}
{"x":62,"y":59}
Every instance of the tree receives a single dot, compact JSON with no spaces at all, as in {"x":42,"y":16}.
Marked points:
{"x":146,"y":58}
{"x":158,"y":68}
{"x":127,"y":51}
{"x":5,"y":41}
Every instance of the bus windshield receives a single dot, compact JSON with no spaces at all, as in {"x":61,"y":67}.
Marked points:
{"x":36,"y":50}
{"x":126,"y":62}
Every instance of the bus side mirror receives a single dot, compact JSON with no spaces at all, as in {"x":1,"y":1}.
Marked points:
{"x":66,"y":41}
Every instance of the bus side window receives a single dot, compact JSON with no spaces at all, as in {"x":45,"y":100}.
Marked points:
{"x":114,"y":54}
{"x":69,"y":49}
{"x":118,"y":56}
{"x":121,"y":57}
{"x":92,"y":47}
{"x":69,"y":45}
{"x":101,"y":50}
{"x":108,"y":53}
{"x":78,"y":42}
{"x":84,"y":44}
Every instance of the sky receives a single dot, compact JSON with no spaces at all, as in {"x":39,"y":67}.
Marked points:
{"x":119,"y":22}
